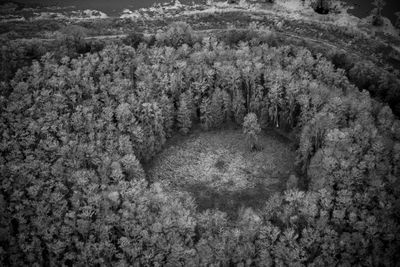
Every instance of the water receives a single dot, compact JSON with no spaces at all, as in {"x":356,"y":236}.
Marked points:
{"x":114,"y":8}
{"x":111,"y":8}
{"x":362,"y":8}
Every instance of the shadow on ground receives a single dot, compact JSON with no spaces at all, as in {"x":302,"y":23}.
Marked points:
{"x":232,"y":201}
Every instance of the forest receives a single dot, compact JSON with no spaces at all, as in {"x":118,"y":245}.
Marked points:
{"x":79,"y":124}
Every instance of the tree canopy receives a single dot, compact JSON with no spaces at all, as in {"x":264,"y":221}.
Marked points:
{"x":75,"y":133}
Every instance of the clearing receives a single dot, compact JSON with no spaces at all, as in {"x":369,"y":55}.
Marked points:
{"x":219,"y":170}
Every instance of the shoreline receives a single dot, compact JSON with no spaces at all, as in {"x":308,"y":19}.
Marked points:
{"x":17,"y":11}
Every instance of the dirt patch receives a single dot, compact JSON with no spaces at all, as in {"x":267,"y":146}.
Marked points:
{"x":221,"y":172}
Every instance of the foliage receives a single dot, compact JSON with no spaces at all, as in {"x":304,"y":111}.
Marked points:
{"x":377,"y":12}
{"x":177,"y":34}
{"x":251,"y":129}
{"x":234,"y":36}
{"x":76,"y":130}
{"x":15,"y":55}
{"x":322,"y":6}
{"x":397,"y":23}
{"x":72,"y":39}
{"x":380,"y":83}
{"x":134,"y":39}
{"x":239,"y":108}
{"x":206,"y":115}
{"x":184,"y":115}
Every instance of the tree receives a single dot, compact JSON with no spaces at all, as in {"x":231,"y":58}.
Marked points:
{"x":177,"y":34}
{"x":206,"y":115}
{"x":154,"y":134}
{"x":132,"y":167}
{"x":227,"y":105}
{"x":168,"y":113}
{"x":275,"y":96}
{"x":397,"y":23}
{"x":377,"y":12}
{"x":134,"y":39}
{"x":73,"y":190}
{"x":322,"y":6}
{"x":73,"y":40}
{"x":217,"y":110}
{"x":238,"y":105}
{"x":251,"y":129}
{"x":184,"y":115}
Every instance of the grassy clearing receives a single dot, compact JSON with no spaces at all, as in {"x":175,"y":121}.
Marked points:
{"x":219,"y":170}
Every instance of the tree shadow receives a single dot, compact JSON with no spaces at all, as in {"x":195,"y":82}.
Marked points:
{"x":231,"y":202}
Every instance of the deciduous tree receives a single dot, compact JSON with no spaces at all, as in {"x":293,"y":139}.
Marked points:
{"x":184,"y":115}
{"x":251,"y":129}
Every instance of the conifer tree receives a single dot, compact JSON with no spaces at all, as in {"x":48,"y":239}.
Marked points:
{"x":184,"y":115}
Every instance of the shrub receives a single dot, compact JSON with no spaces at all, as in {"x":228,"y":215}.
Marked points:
{"x":322,"y":6}
{"x":134,"y":39}
{"x":177,"y":34}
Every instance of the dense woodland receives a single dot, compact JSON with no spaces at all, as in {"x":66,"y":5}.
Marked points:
{"x":76,"y":128}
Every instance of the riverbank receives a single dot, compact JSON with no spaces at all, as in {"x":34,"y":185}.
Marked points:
{"x":28,"y":9}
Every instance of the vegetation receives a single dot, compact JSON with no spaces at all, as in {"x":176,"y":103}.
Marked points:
{"x":322,"y":6}
{"x":397,"y":23}
{"x":220,"y":172}
{"x":184,"y":115}
{"x":377,"y":12}
{"x":251,"y":129}
{"x":77,"y":130}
